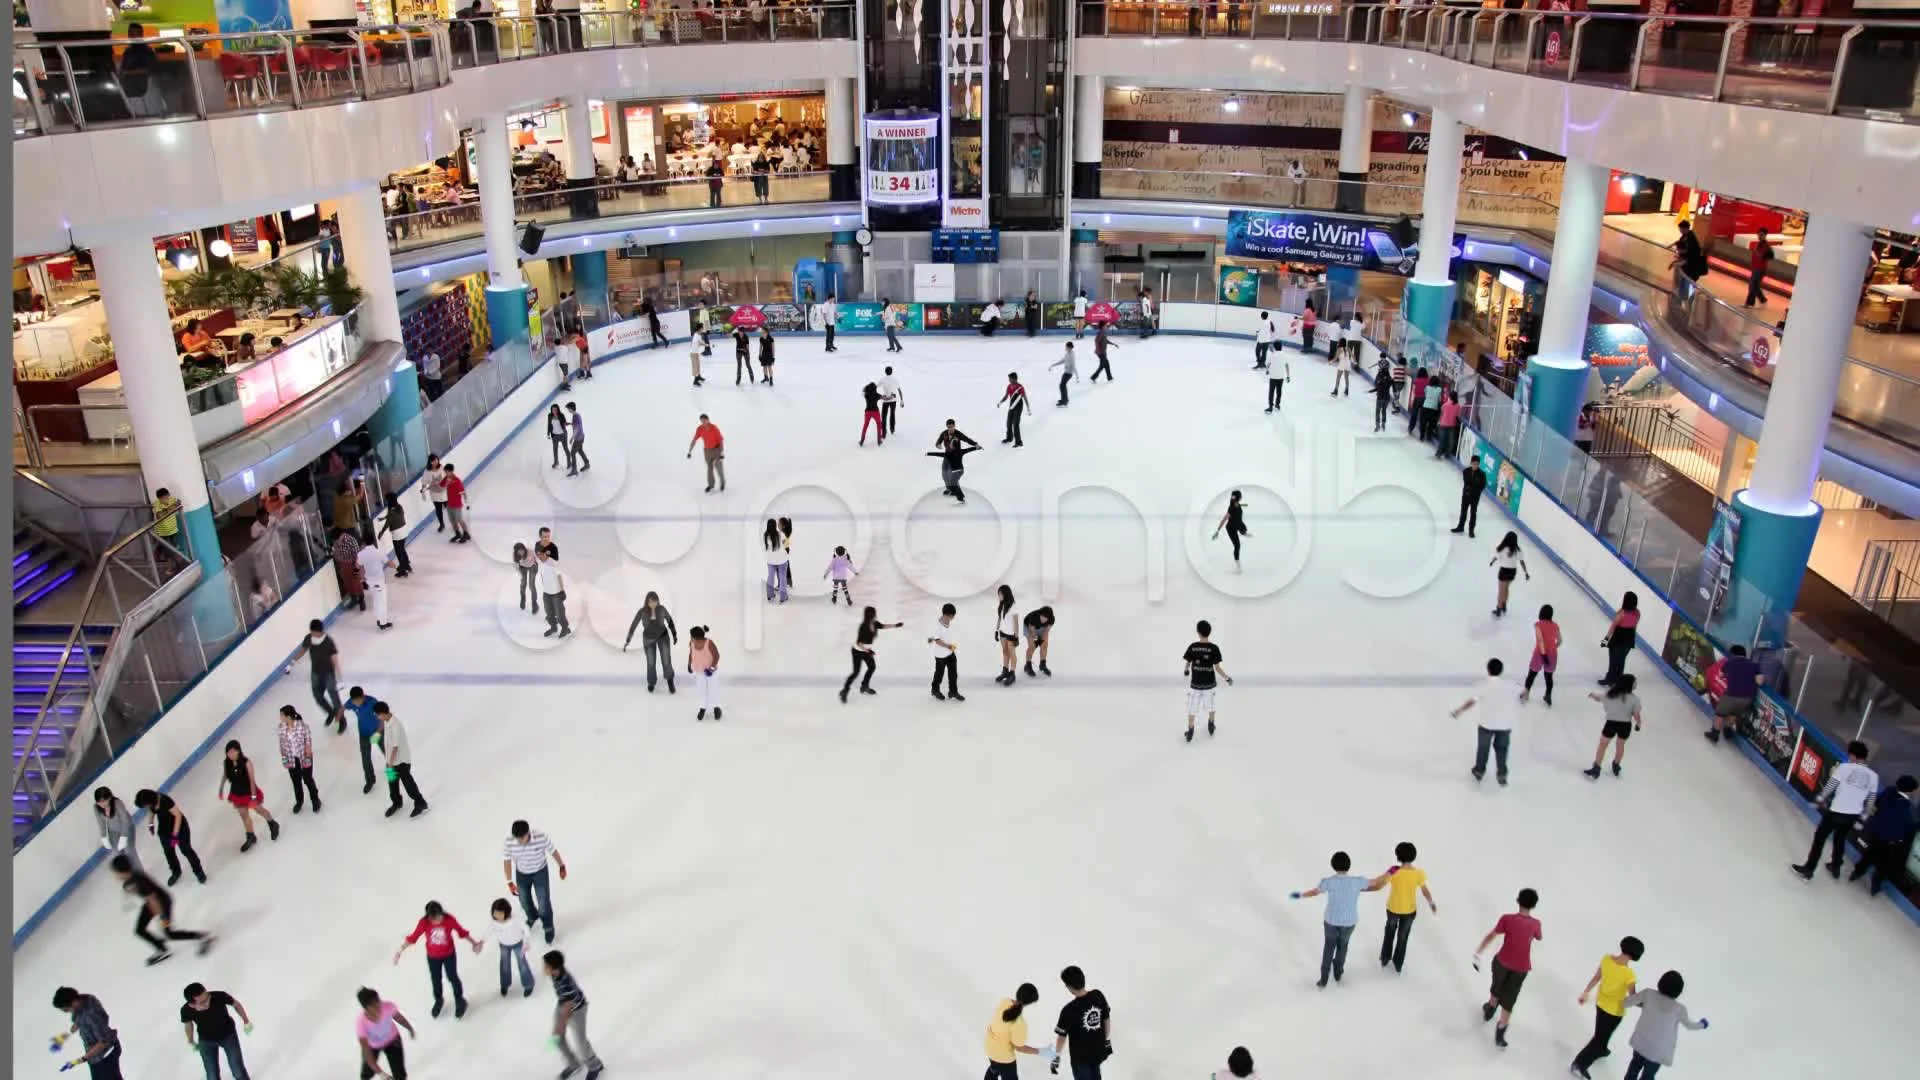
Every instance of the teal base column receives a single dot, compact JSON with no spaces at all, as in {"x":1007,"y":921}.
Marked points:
{"x":216,"y":618}
{"x":201,"y":538}
{"x":590,"y":287}
{"x":1556,"y":390}
{"x":507,"y":316}
{"x":1769,"y":562}
{"x":399,"y":436}
{"x":1428,"y":307}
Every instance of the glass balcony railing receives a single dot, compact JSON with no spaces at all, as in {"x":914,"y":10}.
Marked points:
{"x":1871,"y":396}
{"x":460,"y":218}
{"x":1850,"y":67}
{"x":76,"y":85}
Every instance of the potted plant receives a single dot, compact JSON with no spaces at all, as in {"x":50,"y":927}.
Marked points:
{"x":244,"y":290}
{"x":341,"y":294}
{"x":201,"y":288}
{"x":295,"y":290}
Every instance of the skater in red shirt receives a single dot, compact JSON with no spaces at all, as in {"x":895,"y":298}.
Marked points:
{"x":440,"y":928}
{"x":456,"y":492}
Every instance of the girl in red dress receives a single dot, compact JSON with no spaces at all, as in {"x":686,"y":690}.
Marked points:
{"x":238,"y":787}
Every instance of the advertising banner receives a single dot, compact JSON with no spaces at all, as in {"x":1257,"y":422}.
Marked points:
{"x":1239,"y":286}
{"x":1771,"y":729}
{"x":1811,"y":764}
{"x":244,"y":236}
{"x":1617,"y":351}
{"x":1716,"y":564}
{"x":1102,"y":312}
{"x":1504,"y":481}
{"x":1689,"y":652}
{"x":903,"y":161}
{"x":1318,"y":238}
{"x":619,"y":337}
{"x":963,"y":316}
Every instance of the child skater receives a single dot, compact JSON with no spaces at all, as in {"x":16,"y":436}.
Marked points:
{"x":1614,"y":979}
{"x":870,"y":627}
{"x":1507,"y":554}
{"x":1517,"y":931}
{"x":1622,"y":708}
{"x":1342,"y":891}
{"x":840,"y":568}
{"x":1006,"y":633}
{"x":511,"y":935}
{"x":703,"y":661}
{"x":243,"y":791}
{"x":1658,"y":1029}
{"x":1546,"y":654}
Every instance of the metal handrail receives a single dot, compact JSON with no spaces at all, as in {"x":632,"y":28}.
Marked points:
{"x":101,"y":571}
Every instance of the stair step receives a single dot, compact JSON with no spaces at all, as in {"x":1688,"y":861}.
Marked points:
{"x":25,"y":547}
{"x":27,"y":565}
{"x":40,"y":588}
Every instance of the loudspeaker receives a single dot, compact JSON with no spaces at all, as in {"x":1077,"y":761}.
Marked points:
{"x":1402,"y":232}
{"x":530,"y":238}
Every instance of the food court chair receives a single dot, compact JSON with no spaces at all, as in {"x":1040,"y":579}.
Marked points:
{"x":243,"y":77}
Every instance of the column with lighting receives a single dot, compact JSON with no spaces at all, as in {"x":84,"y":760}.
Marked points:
{"x":363,"y":245}
{"x":506,"y":287}
{"x":1089,"y":134}
{"x":1429,"y":297}
{"x":583,"y":196}
{"x":1356,"y":150}
{"x":1778,"y":517}
{"x":1089,"y":263}
{"x":149,"y":365}
{"x":843,"y":180}
{"x":1559,"y":370}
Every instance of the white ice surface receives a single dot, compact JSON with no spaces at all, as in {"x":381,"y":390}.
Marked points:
{"x":817,"y":890}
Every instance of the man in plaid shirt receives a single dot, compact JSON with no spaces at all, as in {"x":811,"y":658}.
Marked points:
{"x":296,"y":754}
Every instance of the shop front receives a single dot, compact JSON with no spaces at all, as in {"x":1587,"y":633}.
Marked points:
{"x":1502,"y":306}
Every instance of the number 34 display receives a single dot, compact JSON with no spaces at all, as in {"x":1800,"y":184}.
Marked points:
{"x":902,"y":187}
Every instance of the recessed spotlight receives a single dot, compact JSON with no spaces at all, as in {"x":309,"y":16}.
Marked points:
{"x":220,"y":249}
{"x":1407,"y":119}
{"x":1232,"y":104}
{"x":1523,"y":155}
{"x":1629,"y":185}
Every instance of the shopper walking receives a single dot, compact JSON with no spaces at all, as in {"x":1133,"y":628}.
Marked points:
{"x":1068,"y":373}
{"x":892,"y":400}
{"x":1342,"y":890}
{"x":175,"y":833}
{"x":863,"y":653}
{"x":657,"y":636}
{"x":443,"y":963}
{"x":399,"y":755}
{"x":570,"y":1019}
{"x":115,"y":823}
{"x":99,"y":1042}
{"x":211,"y":1030}
{"x":1656,"y":1034}
{"x":1101,"y":344}
{"x":377,"y":1028}
{"x":1405,"y":884}
{"x":1759,"y":258}
{"x":1622,"y":709}
{"x":1015,"y":400}
{"x":1517,"y":931}
{"x":1614,"y":981}
{"x":1621,"y":634}
{"x":952,"y":446}
{"x":1494,"y":698}
{"x":1473,"y":481}
{"x":1546,"y":654}
{"x":1848,"y":797}
{"x":553,"y":594}
{"x":1084,"y":1031}
{"x":946,"y":661}
{"x":523,"y":860}
{"x":296,"y":756}
{"x":1506,"y":555}
{"x":703,"y":663}
{"x":1203,"y":662}
{"x":557,"y":433}
{"x":156,"y":904}
{"x":456,"y":505}
{"x":713,"y":447}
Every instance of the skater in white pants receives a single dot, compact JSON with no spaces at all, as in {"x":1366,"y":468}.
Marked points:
{"x":703,"y":663}
{"x":374,"y":565}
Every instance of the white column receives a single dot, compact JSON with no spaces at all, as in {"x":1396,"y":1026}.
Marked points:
{"x":841,"y":121}
{"x":1812,"y":359}
{"x":56,"y":16}
{"x":579,"y":161}
{"x":363,"y":242}
{"x":493,"y":162}
{"x":136,"y":302}
{"x":1356,"y":131}
{"x":1440,"y":202}
{"x":1089,"y":117}
{"x":1576,"y":249}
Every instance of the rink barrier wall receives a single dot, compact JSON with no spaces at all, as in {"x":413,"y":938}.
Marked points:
{"x":50,"y":868}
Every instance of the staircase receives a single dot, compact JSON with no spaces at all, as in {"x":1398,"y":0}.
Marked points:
{"x":39,"y":567}
{"x":36,"y":666}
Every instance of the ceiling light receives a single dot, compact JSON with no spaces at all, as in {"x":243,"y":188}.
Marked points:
{"x":1406,"y":119}
{"x":1629,"y":185}
{"x":1232,"y":104}
{"x":220,"y":249}
{"x":1523,"y":155}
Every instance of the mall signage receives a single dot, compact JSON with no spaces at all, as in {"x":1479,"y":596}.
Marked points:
{"x":903,"y":160}
{"x":1316,"y":238}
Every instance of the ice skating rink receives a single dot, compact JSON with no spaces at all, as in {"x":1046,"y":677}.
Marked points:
{"x":817,"y":890}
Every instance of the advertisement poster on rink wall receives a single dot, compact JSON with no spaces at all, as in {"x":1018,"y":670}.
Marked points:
{"x":1504,"y":481}
{"x":1689,"y":652}
{"x":1811,"y":764}
{"x":1772,"y":730}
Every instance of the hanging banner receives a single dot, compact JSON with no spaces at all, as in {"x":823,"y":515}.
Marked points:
{"x":903,"y":160}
